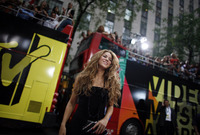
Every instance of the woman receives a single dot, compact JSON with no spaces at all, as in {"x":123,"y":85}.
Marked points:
{"x":97,"y":87}
{"x":42,"y":9}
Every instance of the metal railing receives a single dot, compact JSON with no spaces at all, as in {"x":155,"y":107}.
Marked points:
{"x":16,"y":11}
{"x":146,"y":61}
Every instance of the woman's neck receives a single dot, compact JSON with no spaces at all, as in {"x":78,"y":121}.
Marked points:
{"x":99,"y":75}
{"x":99,"y":79}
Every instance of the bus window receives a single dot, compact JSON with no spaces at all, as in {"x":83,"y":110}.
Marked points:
{"x":106,"y":44}
{"x":85,"y":44}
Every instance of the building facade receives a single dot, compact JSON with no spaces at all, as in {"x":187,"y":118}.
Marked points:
{"x":143,"y":24}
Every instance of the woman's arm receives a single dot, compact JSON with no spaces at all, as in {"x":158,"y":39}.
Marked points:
{"x":37,"y":11}
{"x":45,"y":13}
{"x":101,"y":125}
{"x":68,"y":110}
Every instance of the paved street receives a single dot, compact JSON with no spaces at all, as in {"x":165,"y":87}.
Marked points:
{"x":12,"y":127}
{"x":39,"y":131}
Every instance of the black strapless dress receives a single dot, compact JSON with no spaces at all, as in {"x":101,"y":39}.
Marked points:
{"x":90,"y":108}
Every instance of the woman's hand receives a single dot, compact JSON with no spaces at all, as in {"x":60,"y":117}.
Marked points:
{"x":62,"y":130}
{"x":100,"y":126}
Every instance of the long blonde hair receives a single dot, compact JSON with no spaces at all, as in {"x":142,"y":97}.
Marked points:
{"x":83,"y":83}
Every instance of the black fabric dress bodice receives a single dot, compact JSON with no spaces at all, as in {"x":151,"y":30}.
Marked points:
{"x":89,"y":108}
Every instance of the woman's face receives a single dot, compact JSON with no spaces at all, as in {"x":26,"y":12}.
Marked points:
{"x":56,"y":9}
{"x":105,"y":60}
{"x":44,"y":4}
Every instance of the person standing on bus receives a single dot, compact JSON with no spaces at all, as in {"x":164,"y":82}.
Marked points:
{"x":67,"y":11}
{"x":97,"y":87}
{"x":67,"y":21}
{"x":196,"y":124}
{"x":167,"y":120}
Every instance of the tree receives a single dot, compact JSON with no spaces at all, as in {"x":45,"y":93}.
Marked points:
{"x":183,"y":37}
{"x":119,"y":7}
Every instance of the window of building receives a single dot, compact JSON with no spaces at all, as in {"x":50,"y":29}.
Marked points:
{"x":170,"y":14}
{"x":144,"y":19}
{"x":181,"y":9}
{"x":85,"y":21}
{"x":111,"y":8}
{"x":171,"y":2}
{"x":128,"y":14}
{"x":144,"y":14}
{"x":170,"y":20}
{"x":170,"y":11}
{"x":170,"y":17}
{"x":158,"y":20}
{"x":159,"y":4}
{"x":127,"y":22}
{"x":181,"y":16}
{"x":199,"y":7}
{"x":129,"y":4}
{"x":191,"y":6}
{"x":143,"y":28}
{"x":158,"y":12}
{"x":126,"y":36}
{"x":110,"y":19}
{"x":181,"y":3}
{"x":126,"y":32}
{"x":156,"y":36}
{"x":109,"y":26}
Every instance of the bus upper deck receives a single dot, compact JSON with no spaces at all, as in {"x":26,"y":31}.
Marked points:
{"x":99,"y":41}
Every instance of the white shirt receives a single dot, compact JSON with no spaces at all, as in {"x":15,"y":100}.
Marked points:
{"x":168,"y":114}
{"x":50,"y":23}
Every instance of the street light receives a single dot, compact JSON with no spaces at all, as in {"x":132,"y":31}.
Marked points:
{"x":139,"y":42}
{"x":144,"y":46}
{"x":143,"y":39}
{"x":133,"y":41}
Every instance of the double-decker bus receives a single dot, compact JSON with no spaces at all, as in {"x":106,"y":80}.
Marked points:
{"x":143,"y":89}
{"x":32,"y":58}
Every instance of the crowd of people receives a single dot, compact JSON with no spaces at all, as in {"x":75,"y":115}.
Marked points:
{"x":171,"y":64}
{"x":55,"y":19}
{"x":113,"y":36}
{"x":40,"y":13}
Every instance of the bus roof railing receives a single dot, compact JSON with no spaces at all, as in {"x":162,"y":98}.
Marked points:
{"x":147,"y":61}
{"x":156,"y":65}
{"x":44,"y":17}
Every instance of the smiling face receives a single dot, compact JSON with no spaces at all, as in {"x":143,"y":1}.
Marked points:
{"x":105,"y":60}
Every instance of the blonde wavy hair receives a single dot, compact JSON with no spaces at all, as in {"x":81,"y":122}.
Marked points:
{"x":83,"y":82}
